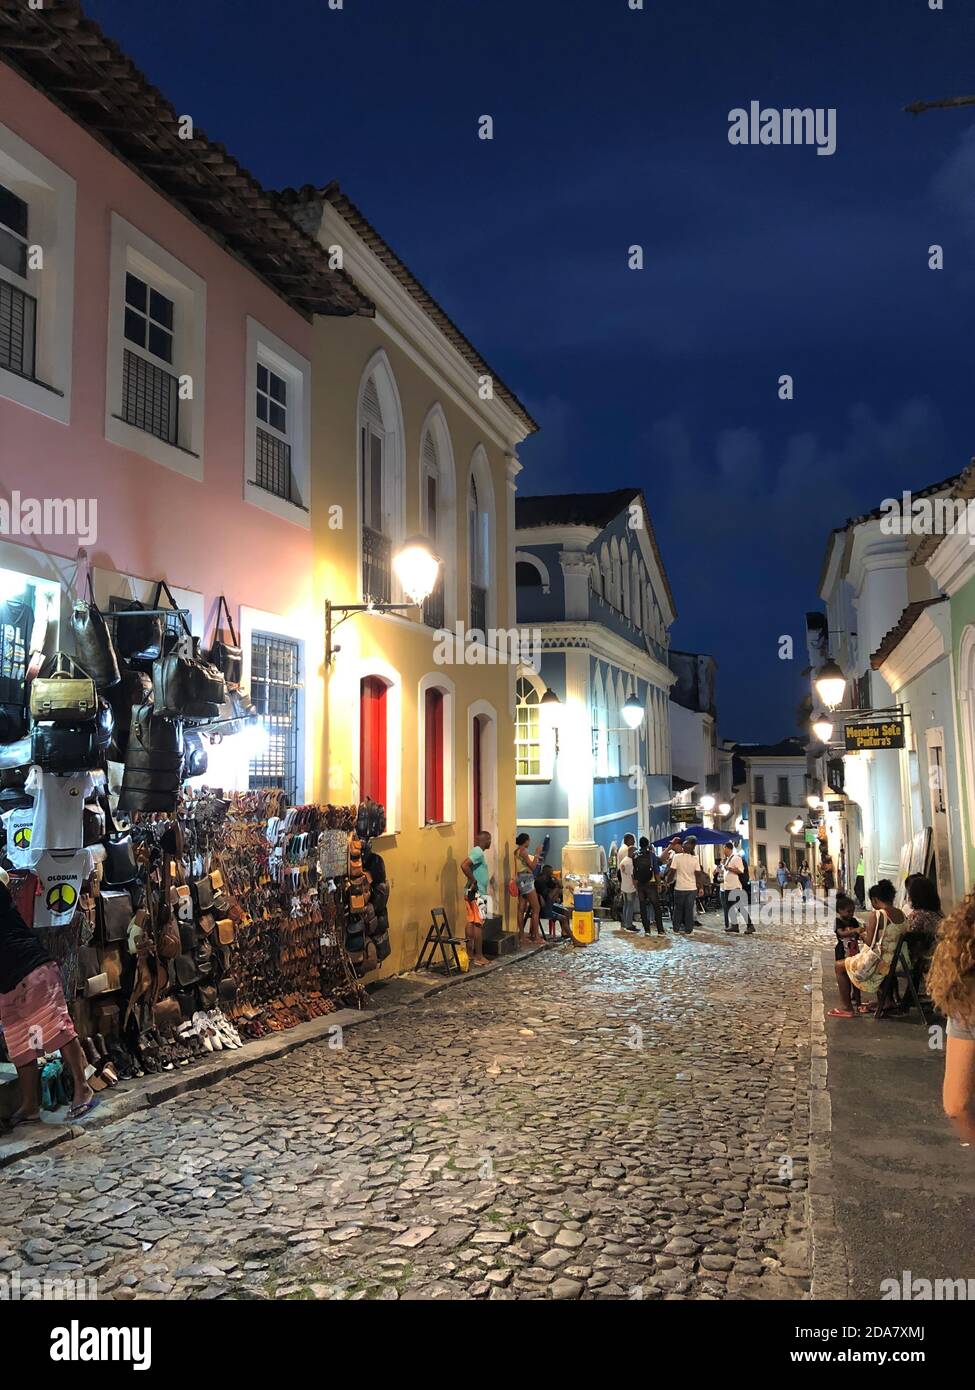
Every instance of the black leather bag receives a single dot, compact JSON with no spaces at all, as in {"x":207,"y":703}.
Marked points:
{"x":93,"y":642}
{"x":195,"y":760}
{"x":136,"y":639}
{"x":65,"y":748}
{"x":120,"y":867}
{"x":153,"y":763}
{"x":13,"y":723}
{"x":227,"y":657}
{"x":187,"y":687}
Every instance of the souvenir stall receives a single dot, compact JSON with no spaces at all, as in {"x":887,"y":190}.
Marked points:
{"x":183,"y":921}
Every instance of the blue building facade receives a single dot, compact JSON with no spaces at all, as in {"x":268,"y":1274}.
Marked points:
{"x":591,"y":583}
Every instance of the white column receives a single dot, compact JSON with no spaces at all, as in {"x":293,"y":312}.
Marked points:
{"x":581,"y":854}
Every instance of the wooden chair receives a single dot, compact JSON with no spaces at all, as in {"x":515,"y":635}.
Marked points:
{"x":898,"y":984}
{"x":440,"y":938}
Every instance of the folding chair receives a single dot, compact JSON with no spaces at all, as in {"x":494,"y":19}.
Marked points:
{"x":439,"y":937}
{"x":890,"y":997}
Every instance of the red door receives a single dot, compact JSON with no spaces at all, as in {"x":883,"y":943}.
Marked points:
{"x":372,"y":739}
{"x":433,"y":742}
{"x":476,"y":774}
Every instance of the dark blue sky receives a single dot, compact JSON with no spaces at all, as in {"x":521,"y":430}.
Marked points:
{"x":611,"y":129}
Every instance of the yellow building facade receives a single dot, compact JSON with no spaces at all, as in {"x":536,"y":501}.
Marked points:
{"x":412,"y":434}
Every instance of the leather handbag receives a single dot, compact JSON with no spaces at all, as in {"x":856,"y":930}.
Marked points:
{"x":93,"y":642}
{"x":187,"y":686}
{"x":227,"y":990}
{"x":13,"y":723}
{"x":104,"y":725}
{"x":88,"y":962}
{"x":194,"y":754}
{"x":93,"y":822}
{"x":110,"y":960}
{"x":203,"y":893}
{"x":120,"y":867}
{"x":114,"y":916}
{"x":208,"y":997}
{"x":187,"y":939}
{"x":65,"y":695}
{"x":136,"y":638}
{"x":226,"y":931}
{"x":61,"y":748}
{"x":186,"y":971}
{"x":227,"y":657}
{"x":166,"y":1015}
{"x":153,"y":763}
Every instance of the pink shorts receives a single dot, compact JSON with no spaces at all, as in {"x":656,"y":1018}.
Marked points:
{"x":34,"y":1016}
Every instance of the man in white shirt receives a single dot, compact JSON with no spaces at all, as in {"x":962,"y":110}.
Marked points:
{"x":733,"y":891}
{"x":627,"y":883}
{"x":684,"y":866}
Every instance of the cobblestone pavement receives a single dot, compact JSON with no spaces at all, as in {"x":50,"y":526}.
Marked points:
{"x":626,"y":1121}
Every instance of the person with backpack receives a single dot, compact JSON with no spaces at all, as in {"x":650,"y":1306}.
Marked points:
{"x":734,"y":890}
{"x":646,"y":870}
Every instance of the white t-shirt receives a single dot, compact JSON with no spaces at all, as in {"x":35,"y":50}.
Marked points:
{"x":732,"y":873}
{"x":59,"y":808}
{"x":687,"y":866}
{"x":19,"y":825}
{"x":61,"y":875}
{"x":626,"y":872}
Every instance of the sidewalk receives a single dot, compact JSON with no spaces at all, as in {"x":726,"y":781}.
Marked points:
{"x":903,"y":1188}
{"x":385,"y":997}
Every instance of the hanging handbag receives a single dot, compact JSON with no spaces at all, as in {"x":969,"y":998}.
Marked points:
{"x":114,"y":916}
{"x":166,"y":1015}
{"x":195,"y":760}
{"x":864,"y":966}
{"x":185,"y":685}
{"x":93,"y":642}
{"x":120,"y":867}
{"x":59,"y":748}
{"x":153,"y":763}
{"x":136,"y":639}
{"x":65,"y":695}
{"x":227,"y":657}
{"x":13,"y":723}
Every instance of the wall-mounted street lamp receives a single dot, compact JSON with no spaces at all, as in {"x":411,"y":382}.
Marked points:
{"x":796,"y":826}
{"x":724,"y":808}
{"x":706,"y":803}
{"x":415,"y":565}
{"x":633,"y":712}
{"x":822,"y":728}
{"x":830,"y":684}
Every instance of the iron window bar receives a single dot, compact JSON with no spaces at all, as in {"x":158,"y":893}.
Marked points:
{"x":273,"y":471}
{"x":150,"y":398}
{"x":18,"y":325}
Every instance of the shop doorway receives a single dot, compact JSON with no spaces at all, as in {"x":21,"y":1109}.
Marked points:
{"x":940,"y":828}
{"x":483,"y":763}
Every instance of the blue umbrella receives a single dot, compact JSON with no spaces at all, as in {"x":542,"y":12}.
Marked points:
{"x":701,"y":834}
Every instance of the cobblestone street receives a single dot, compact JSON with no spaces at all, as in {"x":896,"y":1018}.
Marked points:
{"x":628,"y":1121}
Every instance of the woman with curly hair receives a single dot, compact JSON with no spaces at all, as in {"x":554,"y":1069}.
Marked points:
{"x":951,"y":984}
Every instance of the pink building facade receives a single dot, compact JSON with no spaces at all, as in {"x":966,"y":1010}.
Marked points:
{"x":154,"y":402}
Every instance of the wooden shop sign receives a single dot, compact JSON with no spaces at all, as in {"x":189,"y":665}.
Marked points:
{"x":874,"y":733}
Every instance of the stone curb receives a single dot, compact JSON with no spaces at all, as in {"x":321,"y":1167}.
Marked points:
{"x":830,"y":1269}
{"x":156,"y":1090}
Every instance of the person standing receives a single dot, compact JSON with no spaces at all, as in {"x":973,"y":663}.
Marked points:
{"x":951,"y":985}
{"x":646,"y":871}
{"x":684,"y":867}
{"x":805,"y":879}
{"x":782,"y":876}
{"x":829,"y":872}
{"x":34,"y":1016}
{"x":627,"y":883}
{"x":733,"y":891}
{"x":476,"y":870}
{"x":526,"y":866}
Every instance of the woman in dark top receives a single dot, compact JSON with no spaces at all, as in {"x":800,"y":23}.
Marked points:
{"x":34,"y":1016}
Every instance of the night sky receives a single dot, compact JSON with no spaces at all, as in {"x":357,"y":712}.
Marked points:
{"x":611,"y":128}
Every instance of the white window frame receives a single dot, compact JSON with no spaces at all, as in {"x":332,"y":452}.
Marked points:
{"x":270,"y":351}
{"x":50,"y":195}
{"x":546,"y":736}
{"x":132,"y":250}
{"x":256,"y":621}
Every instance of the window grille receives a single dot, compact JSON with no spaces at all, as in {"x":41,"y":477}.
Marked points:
{"x":150,"y":398}
{"x":275,"y":671}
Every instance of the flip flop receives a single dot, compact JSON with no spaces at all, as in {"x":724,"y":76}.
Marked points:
{"x":841,"y":1013}
{"x":78,"y":1112}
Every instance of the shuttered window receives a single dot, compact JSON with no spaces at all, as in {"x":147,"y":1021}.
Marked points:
{"x":372,"y":739}
{"x":434,"y":760}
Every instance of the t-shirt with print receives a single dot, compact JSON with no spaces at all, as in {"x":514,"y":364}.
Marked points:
{"x":480,"y":870}
{"x":18,"y":825}
{"x":61,"y":875}
{"x":59,"y":808}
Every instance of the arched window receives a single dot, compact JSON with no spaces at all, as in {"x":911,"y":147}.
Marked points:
{"x":636,"y":605}
{"x":613,"y":728}
{"x":380,"y":477}
{"x":480,"y":540}
{"x":600,"y":726}
{"x":437,"y":514}
{"x":605,"y":570}
{"x":527,"y":575}
{"x":625,"y":578}
{"x":617,"y":574}
{"x":528,"y":730}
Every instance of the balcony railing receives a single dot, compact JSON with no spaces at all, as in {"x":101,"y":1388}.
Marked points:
{"x":150,"y":398}
{"x":478,"y":608}
{"x":433,"y":608}
{"x":377,"y":553}
{"x":18,"y":317}
{"x":273,"y":472}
